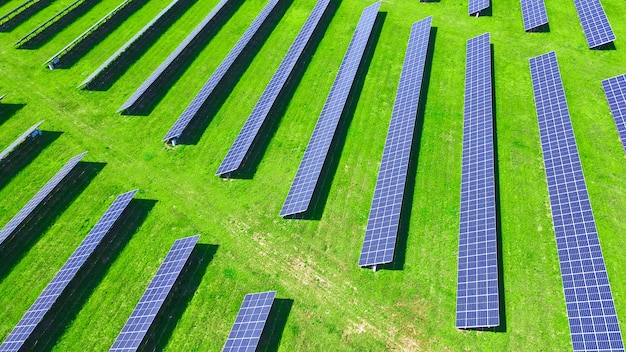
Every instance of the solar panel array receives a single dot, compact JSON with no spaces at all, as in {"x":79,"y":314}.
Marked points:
{"x":476,"y":6}
{"x":54,"y":60}
{"x":477,"y":302}
{"x":249,"y":323}
{"x":33,"y":131}
{"x":307,"y":176}
{"x":145,"y":86}
{"x":35,"y":314}
{"x":590,"y":308}
{"x":534,"y":14}
{"x":17,"y":220}
{"x":192,"y":109}
{"x":384,"y":217}
{"x":30,"y":35}
{"x":243,"y":143}
{"x":16,"y":11}
{"x":595,"y":24}
{"x":615,"y":92}
{"x":123,"y":48}
{"x":143,"y":315}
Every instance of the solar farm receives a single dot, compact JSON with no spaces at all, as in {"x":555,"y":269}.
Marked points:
{"x":312,"y":175}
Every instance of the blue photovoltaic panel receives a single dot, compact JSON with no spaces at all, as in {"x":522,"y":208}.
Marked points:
{"x":595,"y":24}
{"x":145,"y":86}
{"x":534,"y":14}
{"x":615,"y":92}
{"x":41,"y":195}
{"x":477,"y":301}
{"x":303,"y":186}
{"x":476,"y":6}
{"x":179,"y":126}
{"x":33,"y":131}
{"x":246,"y":331}
{"x":146,"y":310}
{"x":247,"y":135}
{"x":588,"y":298}
{"x":127,"y":45}
{"x":34,"y":315}
{"x":384,"y":218}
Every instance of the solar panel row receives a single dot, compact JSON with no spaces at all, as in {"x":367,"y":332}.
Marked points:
{"x":112,"y":59}
{"x":307,"y":176}
{"x":42,"y":305}
{"x":137,"y":325}
{"x":192,"y":109}
{"x":33,"y":131}
{"x":384,"y":217}
{"x":30,"y":35}
{"x":54,"y":60}
{"x":534,"y":14}
{"x":615,"y":92}
{"x":474,"y":7}
{"x":590,"y":307}
{"x":246,"y":332}
{"x":595,"y":24}
{"x":17,"y":220}
{"x":477,"y":304}
{"x":243,"y":143}
{"x":16,"y":11}
{"x":163,"y":67}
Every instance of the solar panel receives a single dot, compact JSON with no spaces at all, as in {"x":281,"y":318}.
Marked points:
{"x":248,"y":326}
{"x":16,"y":11}
{"x":36,"y":200}
{"x":33,"y":132}
{"x":534,"y":14}
{"x":307,"y":176}
{"x":147,"y":84}
{"x":146,"y":310}
{"x":243,"y":143}
{"x":477,"y":301}
{"x":111,"y":60}
{"x":384,"y":218}
{"x":54,"y":60}
{"x":30,"y":35}
{"x":588,"y":298}
{"x":35,"y":314}
{"x":192,"y":109}
{"x":615,"y":92}
{"x":595,"y":24}
{"x":476,"y":6}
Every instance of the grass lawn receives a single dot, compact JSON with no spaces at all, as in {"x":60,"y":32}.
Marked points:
{"x":336,"y":305}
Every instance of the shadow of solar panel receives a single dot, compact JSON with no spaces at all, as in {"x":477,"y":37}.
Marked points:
{"x":475,"y":7}
{"x":192,"y":109}
{"x":111,"y":60}
{"x":615,"y":92}
{"x":31,"y":132}
{"x":35,"y":314}
{"x":243,"y":143}
{"x":534,"y":14}
{"x":596,"y":27}
{"x":250,"y":321}
{"x":307,"y":176}
{"x":149,"y":82}
{"x":477,"y":303}
{"x":137,"y":325}
{"x":590,"y":308}
{"x":384,"y":217}
{"x":15,"y":222}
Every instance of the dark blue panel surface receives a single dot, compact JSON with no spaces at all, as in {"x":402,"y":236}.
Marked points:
{"x":307,"y":176}
{"x":595,"y":24}
{"x":588,"y":298}
{"x":534,"y":14}
{"x":246,"y":331}
{"x":242,"y":145}
{"x":615,"y":92}
{"x":384,"y":217}
{"x":477,"y":302}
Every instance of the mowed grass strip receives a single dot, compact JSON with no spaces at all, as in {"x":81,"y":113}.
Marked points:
{"x":336,"y":305}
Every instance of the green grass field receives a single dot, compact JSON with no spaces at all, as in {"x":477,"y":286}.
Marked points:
{"x":336,"y":305}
